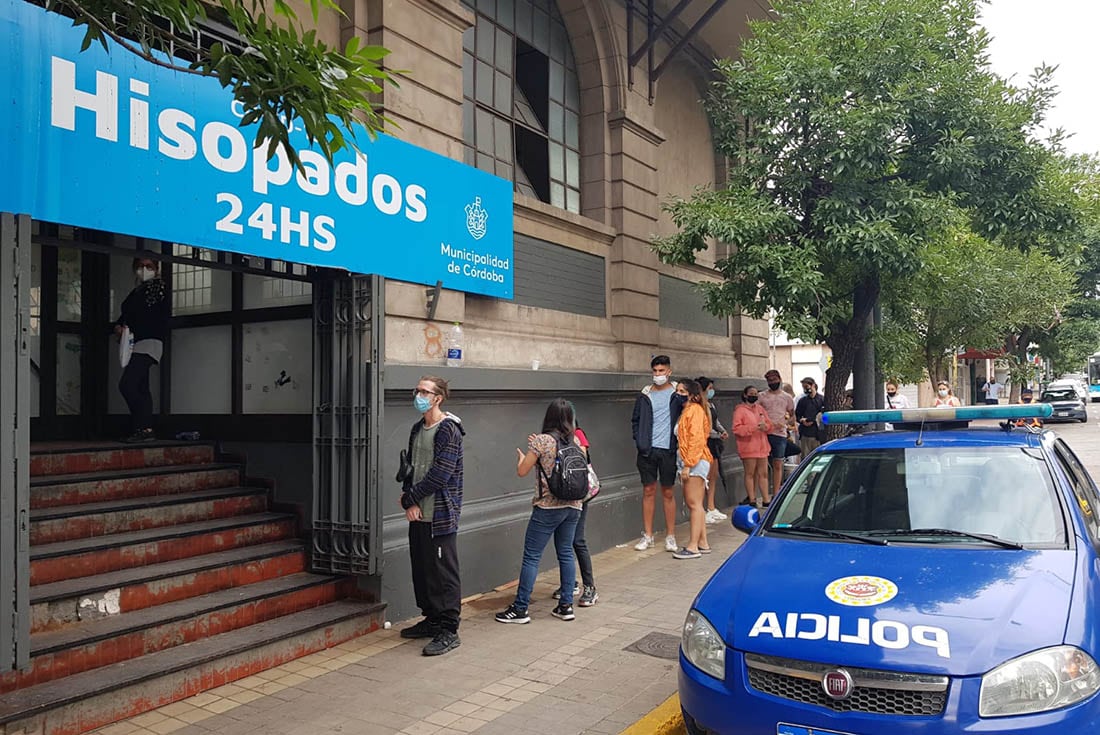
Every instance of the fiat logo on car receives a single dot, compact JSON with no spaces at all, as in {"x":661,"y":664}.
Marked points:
{"x":837,"y":684}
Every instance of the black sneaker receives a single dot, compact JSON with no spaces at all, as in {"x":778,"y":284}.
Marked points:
{"x":564,"y":612}
{"x":576,"y":591}
{"x":444,"y":641}
{"x":589,"y":597}
{"x":513,"y":615}
{"x":138,"y":437}
{"x":424,"y":629}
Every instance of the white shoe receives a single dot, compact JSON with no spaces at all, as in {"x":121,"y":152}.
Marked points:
{"x":711,"y":517}
{"x":645,"y":543}
{"x":670,"y":544}
{"x":720,"y":515}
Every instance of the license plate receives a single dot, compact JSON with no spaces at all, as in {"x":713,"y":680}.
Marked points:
{"x":784,"y":729}
{"x":1063,"y":413}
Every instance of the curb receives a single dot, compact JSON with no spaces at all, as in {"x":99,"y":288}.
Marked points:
{"x":664,"y":719}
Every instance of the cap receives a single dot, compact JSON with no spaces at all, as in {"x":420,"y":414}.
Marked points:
{"x":809,"y":380}
{"x":771,"y":373}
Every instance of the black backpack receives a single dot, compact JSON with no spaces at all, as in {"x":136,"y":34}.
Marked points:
{"x":569,"y":479}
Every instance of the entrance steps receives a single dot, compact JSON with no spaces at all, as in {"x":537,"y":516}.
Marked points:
{"x":157,"y":573}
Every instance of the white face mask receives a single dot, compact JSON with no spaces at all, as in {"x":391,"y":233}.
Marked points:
{"x":145,"y":274}
{"x":660,"y":379}
{"x":943,"y":393}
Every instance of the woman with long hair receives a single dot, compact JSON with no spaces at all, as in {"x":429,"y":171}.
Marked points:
{"x":751,"y":426}
{"x":693,"y":430}
{"x":550,"y":517}
{"x":716,"y":443}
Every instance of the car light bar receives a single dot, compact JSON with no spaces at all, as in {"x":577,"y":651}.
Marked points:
{"x":940,"y":413}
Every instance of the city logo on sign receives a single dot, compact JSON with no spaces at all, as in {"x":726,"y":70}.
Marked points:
{"x":837,"y":684}
{"x":861,"y":591}
{"x":476,"y":218}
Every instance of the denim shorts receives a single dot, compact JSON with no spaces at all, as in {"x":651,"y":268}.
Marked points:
{"x":778,"y":445}
{"x":701,"y":469}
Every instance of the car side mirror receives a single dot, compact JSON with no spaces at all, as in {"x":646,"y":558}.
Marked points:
{"x":746,"y":518}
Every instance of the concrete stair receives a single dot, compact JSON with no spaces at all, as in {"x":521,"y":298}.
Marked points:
{"x":156,"y":573}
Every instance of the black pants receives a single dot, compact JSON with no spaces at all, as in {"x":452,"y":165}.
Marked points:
{"x":435,"y":577}
{"x":580,"y":548}
{"x":134,"y":387}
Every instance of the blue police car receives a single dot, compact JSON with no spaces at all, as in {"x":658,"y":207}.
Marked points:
{"x":939,"y":578}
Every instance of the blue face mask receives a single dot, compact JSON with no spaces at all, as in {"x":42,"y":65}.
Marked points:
{"x":710,"y":393}
{"x":422,"y":403}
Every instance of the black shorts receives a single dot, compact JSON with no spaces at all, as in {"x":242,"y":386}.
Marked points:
{"x":659,"y":464}
{"x":779,"y":446}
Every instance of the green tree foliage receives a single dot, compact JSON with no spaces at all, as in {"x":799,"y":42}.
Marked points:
{"x":281,"y":71}
{"x":857,"y":131}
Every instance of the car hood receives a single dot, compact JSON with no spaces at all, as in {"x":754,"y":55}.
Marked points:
{"x":937,"y":609}
{"x":1070,"y":403}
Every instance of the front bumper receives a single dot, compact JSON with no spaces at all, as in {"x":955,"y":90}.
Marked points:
{"x":732,"y":707}
{"x":1068,"y":412}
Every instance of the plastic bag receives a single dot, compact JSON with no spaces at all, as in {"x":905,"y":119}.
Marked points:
{"x":125,"y":347}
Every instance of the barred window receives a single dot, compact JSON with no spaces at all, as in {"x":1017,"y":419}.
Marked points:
{"x":521,"y":99}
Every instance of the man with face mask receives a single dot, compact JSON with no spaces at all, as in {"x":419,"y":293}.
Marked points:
{"x":145,"y":311}
{"x":656,"y":411}
{"x":809,"y":406}
{"x":780,"y":407}
{"x":432,"y":499}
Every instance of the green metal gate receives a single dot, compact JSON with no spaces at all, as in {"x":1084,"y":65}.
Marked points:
{"x":349,"y":362}
{"x":15,"y":391}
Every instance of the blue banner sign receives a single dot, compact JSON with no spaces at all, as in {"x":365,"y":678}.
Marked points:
{"x":111,"y":142}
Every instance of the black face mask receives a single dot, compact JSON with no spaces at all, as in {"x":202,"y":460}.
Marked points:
{"x":891,"y":393}
{"x":808,"y":391}
{"x":750,"y":399}
{"x":773,"y":386}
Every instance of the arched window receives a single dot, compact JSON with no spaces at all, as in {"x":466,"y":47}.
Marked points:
{"x":521,"y":100}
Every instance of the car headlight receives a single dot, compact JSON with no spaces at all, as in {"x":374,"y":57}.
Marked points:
{"x":1040,"y":681}
{"x":702,"y":645}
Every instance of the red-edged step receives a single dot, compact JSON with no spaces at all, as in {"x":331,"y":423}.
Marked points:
{"x":61,"y":490}
{"x":59,"y":458}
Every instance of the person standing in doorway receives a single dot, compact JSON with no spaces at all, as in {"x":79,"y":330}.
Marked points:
{"x":656,"y":411}
{"x":810,"y":405}
{"x":780,"y":408}
{"x":993,"y":391}
{"x":145,"y":312}
{"x":432,"y":500}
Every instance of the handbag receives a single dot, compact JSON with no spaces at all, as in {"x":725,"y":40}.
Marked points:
{"x":593,"y":484}
{"x":792,"y":449}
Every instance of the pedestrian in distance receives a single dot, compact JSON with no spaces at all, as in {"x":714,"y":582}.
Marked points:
{"x":145,"y":312}
{"x":656,"y":411}
{"x":752,"y":427}
{"x":694,"y":461}
{"x":780,"y":407}
{"x":431,"y":477}
{"x":894,"y":400}
{"x":587,"y":591}
{"x":945,"y":396}
{"x":993,"y":391}
{"x":806,"y":412}
{"x":551,"y":517}
{"x":716,"y":443}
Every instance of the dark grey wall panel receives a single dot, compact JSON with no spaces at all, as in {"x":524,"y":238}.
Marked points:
{"x":682,"y":308}
{"x":555,"y":277}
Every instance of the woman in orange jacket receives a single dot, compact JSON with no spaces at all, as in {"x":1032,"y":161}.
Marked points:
{"x":692,"y":431}
{"x":751,"y":426}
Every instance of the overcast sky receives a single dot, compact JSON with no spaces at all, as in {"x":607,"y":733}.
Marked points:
{"x":1061,"y":33}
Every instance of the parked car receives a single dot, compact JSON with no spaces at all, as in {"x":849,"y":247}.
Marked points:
{"x":1081,"y":389}
{"x":933,"y":579}
{"x":1067,"y":402}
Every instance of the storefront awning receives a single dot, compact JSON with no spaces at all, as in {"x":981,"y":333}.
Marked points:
{"x":973,"y":354}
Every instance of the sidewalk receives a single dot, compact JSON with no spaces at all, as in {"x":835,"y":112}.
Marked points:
{"x":548,"y":676}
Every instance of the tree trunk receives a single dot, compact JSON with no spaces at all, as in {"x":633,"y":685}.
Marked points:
{"x":845,"y":341}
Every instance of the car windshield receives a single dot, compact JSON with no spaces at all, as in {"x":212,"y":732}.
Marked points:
{"x":1059,"y":394}
{"x":1005,"y":492}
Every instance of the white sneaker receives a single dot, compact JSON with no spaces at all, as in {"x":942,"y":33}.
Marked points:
{"x":720,"y":515}
{"x":670,"y":543}
{"x":645,"y":543}
{"x":712,"y":516}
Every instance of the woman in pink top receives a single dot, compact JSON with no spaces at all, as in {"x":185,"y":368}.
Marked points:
{"x":751,"y":426}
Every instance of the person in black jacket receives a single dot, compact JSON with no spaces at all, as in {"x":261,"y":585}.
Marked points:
{"x":145,"y":311}
{"x":656,"y":411}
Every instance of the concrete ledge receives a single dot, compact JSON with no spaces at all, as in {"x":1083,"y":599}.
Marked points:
{"x":664,"y":719}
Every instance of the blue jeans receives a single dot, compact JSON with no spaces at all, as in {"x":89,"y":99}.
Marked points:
{"x":561,"y":523}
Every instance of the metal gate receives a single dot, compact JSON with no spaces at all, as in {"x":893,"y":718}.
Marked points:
{"x":349,"y":361}
{"x":15,"y":391}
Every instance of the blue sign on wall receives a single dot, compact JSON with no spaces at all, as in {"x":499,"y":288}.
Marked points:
{"x":111,"y":142}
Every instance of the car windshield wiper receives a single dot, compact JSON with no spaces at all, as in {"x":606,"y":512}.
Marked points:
{"x":815,"y":531}
{"x":989,"y":538}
